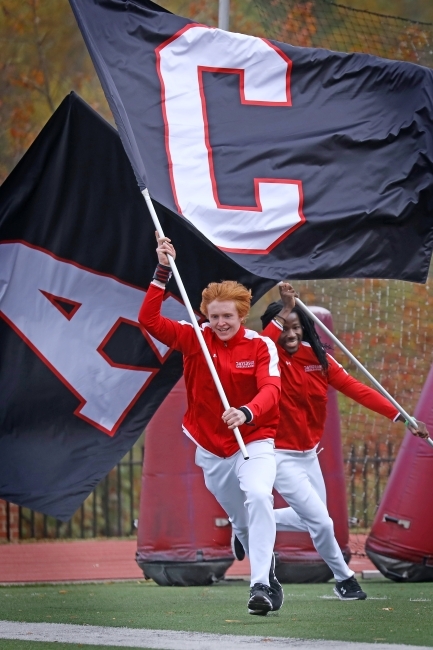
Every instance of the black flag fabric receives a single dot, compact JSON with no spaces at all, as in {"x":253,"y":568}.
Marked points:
{"x":79,"y":379}
{"x":298,"y":162}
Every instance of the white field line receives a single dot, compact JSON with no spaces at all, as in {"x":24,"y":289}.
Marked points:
{"x":170,"y":640}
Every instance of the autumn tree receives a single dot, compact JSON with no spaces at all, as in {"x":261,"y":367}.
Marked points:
{"x":43,"y":58}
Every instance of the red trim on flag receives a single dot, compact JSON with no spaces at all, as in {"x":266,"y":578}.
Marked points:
{"x":57,"y":300}
{"x":241,"y":73}
{"x":164,"y":112}
{"x":76,"y":264}
{"x":286,"y":233}
{"x":114,"y":364}
{"x":109,"y":432}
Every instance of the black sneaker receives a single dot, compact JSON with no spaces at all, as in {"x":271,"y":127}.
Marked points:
{"x":277,"y":593}
{"x":260,"y":602}
{"x":349,"y":590}
{"x":237,"y":548}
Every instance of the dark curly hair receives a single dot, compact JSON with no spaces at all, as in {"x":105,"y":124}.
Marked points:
{"x":309,"y":334}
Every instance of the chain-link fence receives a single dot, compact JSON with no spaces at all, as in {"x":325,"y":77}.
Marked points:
{"x":321,"y":23}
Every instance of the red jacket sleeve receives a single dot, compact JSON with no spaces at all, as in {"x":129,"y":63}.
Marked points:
{"x":177,"y":335}
{"x":272,"y":331}
{"x":266,"y":399}
{"x":348,"y":385}
{"x":268,"y":379}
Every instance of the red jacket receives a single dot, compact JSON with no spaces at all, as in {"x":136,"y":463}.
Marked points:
{"x":247,"y":365}
{"x":304,"y":394}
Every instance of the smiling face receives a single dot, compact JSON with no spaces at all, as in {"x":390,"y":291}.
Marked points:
{"x":224,"y":318}
{"x":291,"y":336}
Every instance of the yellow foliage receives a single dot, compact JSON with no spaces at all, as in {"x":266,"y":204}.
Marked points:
{"x":299,"y":24}
{"x":43,"y":59}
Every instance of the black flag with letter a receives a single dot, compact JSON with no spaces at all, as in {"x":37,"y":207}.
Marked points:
{"x":79,"y":379}
{"x":298,"y":162}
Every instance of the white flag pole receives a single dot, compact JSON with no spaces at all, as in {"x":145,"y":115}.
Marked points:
{"x":359,"y":365}
{"x":224,"y":14}
{"x":197,"y":329}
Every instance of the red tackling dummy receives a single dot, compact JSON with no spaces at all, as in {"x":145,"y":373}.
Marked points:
{"x":401,"y":539}
{"x":183,"y":533}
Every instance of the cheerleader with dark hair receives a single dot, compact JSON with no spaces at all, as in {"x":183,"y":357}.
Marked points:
{"x":306,"y":371}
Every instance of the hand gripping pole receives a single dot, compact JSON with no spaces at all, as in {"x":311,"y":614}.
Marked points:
{"x":359,"y":365}
{"x":197,"y":329}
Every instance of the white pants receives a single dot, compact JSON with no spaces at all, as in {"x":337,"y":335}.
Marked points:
{"x":300,"y":482}
{"x":244,"y":490}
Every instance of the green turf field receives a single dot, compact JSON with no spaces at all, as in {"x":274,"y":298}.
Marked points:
{"x":393,"y":613}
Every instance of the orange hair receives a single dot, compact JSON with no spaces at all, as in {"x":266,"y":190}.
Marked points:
{"x":227,"y":290}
